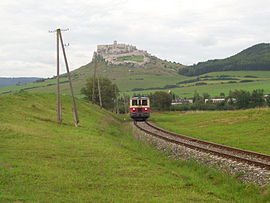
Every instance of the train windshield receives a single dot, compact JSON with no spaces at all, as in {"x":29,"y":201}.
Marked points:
{"x":134,"y":103}
{"x":144,"y":102}
{"x":139,"y":102}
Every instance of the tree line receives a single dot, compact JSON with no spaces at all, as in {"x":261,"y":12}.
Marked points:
{"x":162,"y":101}
{"x":237,"y":99}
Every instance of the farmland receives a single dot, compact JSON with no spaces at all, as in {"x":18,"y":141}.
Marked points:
{"x":245,"y":129}
{"x":138,"y":83}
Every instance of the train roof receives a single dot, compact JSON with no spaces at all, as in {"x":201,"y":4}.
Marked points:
{"x":139,"y":97}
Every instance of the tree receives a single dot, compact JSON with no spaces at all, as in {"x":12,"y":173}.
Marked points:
{"x":206,"y":96}
{"x":197,"y":99}
{"x":222,"y":94}
{"x":257,"y":98}
{"x":242,"y":98}
{"x":161,"y":101}
{"x":109,"y":92}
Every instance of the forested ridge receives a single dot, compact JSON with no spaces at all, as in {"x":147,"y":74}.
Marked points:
{"x":256,"y":57}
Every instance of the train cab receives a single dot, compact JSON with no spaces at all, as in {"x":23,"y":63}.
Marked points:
{"x":139,"y":108}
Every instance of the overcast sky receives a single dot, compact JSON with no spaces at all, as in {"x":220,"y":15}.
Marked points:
{"x":185,"y":31}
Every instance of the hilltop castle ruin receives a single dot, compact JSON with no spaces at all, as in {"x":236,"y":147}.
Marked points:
{"x":112,"y":52}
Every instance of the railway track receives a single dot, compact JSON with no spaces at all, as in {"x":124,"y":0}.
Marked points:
{"x":235,"y":154}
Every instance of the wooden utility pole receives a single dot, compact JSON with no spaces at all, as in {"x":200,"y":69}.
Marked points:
{"x":99,"y":93}
{"x":125,"y":104}
{"x":59,"y":105}
{"x":98,"y":83}
{"x":116,"y":101}
{"x":59,"y":108}
{"x":94,"y":79}
{"x":75,"y":112}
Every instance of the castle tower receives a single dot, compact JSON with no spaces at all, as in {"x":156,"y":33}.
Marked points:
{"x":114,"y":44}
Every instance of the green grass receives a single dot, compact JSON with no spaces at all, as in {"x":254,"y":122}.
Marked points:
{"x":147,"y":81}
{"x":131,"y":58}
{"x":259,"y":74}
{"x":152,"y":75}
{"x":215,"y":89}
{"x":100,"y":161}
{"x":246,"y":129}
{"x":156,"y":74}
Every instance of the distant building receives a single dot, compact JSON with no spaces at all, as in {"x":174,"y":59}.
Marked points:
{"x":218,"y":100}
{"x":182,"y":101}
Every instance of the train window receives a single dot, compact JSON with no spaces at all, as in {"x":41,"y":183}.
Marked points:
{"x":144,"y":102}
{"x":140,"y":102}
{"x":134,"y":103}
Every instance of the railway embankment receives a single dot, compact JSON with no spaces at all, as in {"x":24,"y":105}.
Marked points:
{"x":247,"y":166}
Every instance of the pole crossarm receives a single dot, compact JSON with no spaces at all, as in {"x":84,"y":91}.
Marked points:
{"x":63,"y":30}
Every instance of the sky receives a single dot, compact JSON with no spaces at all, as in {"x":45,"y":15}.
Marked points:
{"x":184,"y":31}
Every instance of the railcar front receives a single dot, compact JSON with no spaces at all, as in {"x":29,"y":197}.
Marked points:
{"x":139,"y":108}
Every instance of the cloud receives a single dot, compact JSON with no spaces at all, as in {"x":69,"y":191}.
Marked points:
{"x":176,"y":30}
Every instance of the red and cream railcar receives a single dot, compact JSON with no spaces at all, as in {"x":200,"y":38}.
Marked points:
{"x":139,"y":108}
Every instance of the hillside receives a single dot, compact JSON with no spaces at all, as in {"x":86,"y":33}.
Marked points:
{"x":156,"y":73}
{"x":100,"y":161}
{"x":4,"y":81}
{"x":256,"y":57}
{"x":133,"y":77}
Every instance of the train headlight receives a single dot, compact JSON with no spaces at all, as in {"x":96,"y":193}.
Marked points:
{"x":133,"y":109}
{"x":145,"y":109}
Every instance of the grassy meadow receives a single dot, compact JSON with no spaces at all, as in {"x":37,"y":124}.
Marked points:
{"x":131,"y":58}
{"x":261,"y":80}
{"x":245,"y":129}
{"x":154,"y":77}
{"x":100,"y":161}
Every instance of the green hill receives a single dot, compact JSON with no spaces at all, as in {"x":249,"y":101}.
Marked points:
{"x":100,"y":161}
{"x":256,"y":57}
{"x":156,"y":74}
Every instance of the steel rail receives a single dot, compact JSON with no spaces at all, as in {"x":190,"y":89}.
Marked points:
{"x":220,"y":154}
{"x":220,"y":146}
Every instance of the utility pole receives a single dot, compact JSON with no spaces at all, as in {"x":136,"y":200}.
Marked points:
{"x":99,"y":93}
{"x":125,"y":104}
{"x":59,"y":106}
{"x":94,"y":78}
{"x":98,"y":83}
{"x":75,"y":112}
{"x":116,"y":101}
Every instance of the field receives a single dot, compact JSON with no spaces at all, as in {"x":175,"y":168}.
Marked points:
{"x":134,"y":80}
{"x":261,"y":80}
{"x":245,"y":129}
{"x":100,"y":161}
{"x":131,"y":58}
